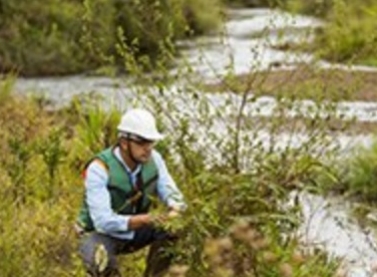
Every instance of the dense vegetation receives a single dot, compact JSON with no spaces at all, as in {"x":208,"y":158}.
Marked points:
{"x":354,"y":42}
{"x":236,"y":224}
{"x":62,"y":37}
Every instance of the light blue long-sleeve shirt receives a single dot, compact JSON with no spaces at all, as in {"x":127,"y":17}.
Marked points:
{"x":97,"y":195}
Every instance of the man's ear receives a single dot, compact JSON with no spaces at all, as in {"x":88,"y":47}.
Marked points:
{"x":123,"y":143}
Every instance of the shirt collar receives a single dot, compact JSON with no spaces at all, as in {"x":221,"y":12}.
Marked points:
{"x":119,"y":157}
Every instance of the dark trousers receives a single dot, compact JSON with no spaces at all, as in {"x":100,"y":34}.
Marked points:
{"x":99,"y":251}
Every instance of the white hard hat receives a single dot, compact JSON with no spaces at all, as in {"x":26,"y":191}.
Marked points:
{"x":141,"y":123}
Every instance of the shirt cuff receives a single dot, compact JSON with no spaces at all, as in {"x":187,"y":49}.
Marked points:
{"x":127,"y":222}
{"x":177,"y":205}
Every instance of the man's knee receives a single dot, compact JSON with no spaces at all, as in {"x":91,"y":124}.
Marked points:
{"x":98,"y":255}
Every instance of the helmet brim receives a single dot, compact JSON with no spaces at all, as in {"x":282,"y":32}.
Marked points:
{"x":151,"y":137}
{"x":154,"y":137}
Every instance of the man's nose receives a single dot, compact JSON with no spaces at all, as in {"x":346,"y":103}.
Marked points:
{"x":148,"y":146}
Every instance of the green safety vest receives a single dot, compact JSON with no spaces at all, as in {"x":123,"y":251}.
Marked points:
{"x":126,"y":199}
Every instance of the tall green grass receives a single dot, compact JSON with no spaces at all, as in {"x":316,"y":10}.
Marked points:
{"x":349,"y":36}
{"x":354,"y":176}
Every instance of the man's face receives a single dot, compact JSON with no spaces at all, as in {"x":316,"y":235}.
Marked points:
{"x":140,"y":148}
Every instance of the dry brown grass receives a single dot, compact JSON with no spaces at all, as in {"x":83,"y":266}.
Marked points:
{"x":305,"y":83}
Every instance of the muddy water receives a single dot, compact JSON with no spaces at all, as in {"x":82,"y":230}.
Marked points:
{"x":328,"y":225}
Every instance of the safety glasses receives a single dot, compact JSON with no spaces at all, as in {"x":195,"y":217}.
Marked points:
{"x":140,"y":140}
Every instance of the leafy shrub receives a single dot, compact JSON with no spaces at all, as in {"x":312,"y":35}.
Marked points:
{"x":40,"y":38}
{"x":353,"y":42}
{"x":357,"y":175}
{"x":56,"y":38}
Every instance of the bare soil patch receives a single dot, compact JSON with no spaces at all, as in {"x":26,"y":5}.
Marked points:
{"x":305,"y":83}
{"x":303,"y":125}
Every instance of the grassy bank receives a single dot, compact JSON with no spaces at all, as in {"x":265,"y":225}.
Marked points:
{"x":354,"y":42}
{"x":355,"y":177}
{"x":57,"y":38}
{"x":304,"y":82}
{"x":351,"y":43}
{"x":235,"y":224}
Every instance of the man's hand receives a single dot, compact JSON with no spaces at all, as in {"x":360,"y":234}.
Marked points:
{"x":142,"y":220}
{"x":139,"y":221}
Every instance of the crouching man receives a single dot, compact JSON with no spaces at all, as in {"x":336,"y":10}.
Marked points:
{"x":120,"y":183}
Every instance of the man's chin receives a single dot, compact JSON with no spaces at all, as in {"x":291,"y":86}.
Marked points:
{"x":144,"y":159}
